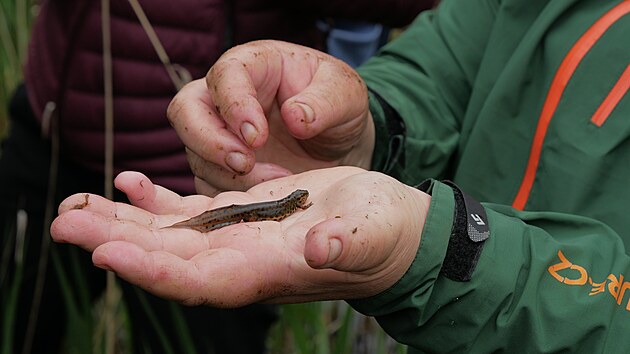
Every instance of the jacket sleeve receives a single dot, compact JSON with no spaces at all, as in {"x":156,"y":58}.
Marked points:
{"x":426,"y":75}
{"x":544,"y":282}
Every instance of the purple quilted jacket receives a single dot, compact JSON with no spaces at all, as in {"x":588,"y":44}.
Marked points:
{"x":65,"y":66}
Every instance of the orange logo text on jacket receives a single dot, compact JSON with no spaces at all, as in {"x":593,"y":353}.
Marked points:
{"x":577,"y":275}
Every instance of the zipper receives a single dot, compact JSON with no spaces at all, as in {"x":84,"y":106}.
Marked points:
{"x":558,"y":84}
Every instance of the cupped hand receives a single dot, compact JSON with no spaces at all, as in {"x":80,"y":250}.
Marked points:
{"x":357,"y":239}
{"x":268,"y":109}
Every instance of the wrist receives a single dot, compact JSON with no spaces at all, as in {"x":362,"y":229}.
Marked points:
{"x":411,"y":218}
{"x":414,"y":217}
{"x":425,"y":268}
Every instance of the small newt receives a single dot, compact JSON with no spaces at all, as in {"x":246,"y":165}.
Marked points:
{"x":233,"y":214}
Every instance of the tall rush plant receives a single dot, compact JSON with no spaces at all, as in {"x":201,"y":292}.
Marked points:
{"x":15,"y":25}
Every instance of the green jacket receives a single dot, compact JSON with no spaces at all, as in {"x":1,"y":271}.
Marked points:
{"x":523,"y":104}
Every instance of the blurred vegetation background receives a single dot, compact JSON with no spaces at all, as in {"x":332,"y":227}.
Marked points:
{"x":15,"y":23}
{"x":321,"y":328}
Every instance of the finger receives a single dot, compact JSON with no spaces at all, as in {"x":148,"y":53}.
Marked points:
{"x":335,"y":96}
{"x":206,"y":189}
{"x":89,"y":230}
{"x":243,"y":84}
{"x":217,"y":178}
{"x":105,"y":207}
{"x":216,"y":277}
{"x":142,"y":193}
{"x":346,"y":244}
{"x":196,"y":118}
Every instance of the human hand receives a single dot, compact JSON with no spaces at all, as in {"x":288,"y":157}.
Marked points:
{"x":356,"y":240}
{"x":268,"y":109}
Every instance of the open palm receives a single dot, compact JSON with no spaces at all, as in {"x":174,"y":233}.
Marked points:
{"x":356,"y":240}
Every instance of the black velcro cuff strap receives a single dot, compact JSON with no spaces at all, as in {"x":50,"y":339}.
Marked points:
{"x":468,"y":235}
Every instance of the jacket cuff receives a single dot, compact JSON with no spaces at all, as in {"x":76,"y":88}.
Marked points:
{"x":381,"y":145}
{"x":425,"y":268}
{"x":390,"y":134}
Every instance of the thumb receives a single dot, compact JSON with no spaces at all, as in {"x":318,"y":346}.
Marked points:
{"x":346,"y":244}
{"x":330,"y":113}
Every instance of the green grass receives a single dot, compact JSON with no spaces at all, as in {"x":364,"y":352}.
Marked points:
{"x":330,"y":327}
{"x":15,"y":23}
{"x":321,"y":328}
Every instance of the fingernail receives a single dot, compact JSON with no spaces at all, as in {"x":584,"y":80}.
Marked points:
{"x":249,"y":133}
{"x":309,"y":115}
{"x":334,"y":250}
{"x":100,"y":261}
{"x":236,"y":161}
{"x":104,"y":267}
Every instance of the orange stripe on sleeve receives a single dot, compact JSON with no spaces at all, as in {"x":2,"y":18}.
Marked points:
{"x":564,"y":73}
{"x":613,"y":98}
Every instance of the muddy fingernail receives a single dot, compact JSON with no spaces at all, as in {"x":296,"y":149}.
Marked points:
{"x":237,"y":162}
{"x":309,"y":115}
{"x":249,"y":133}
